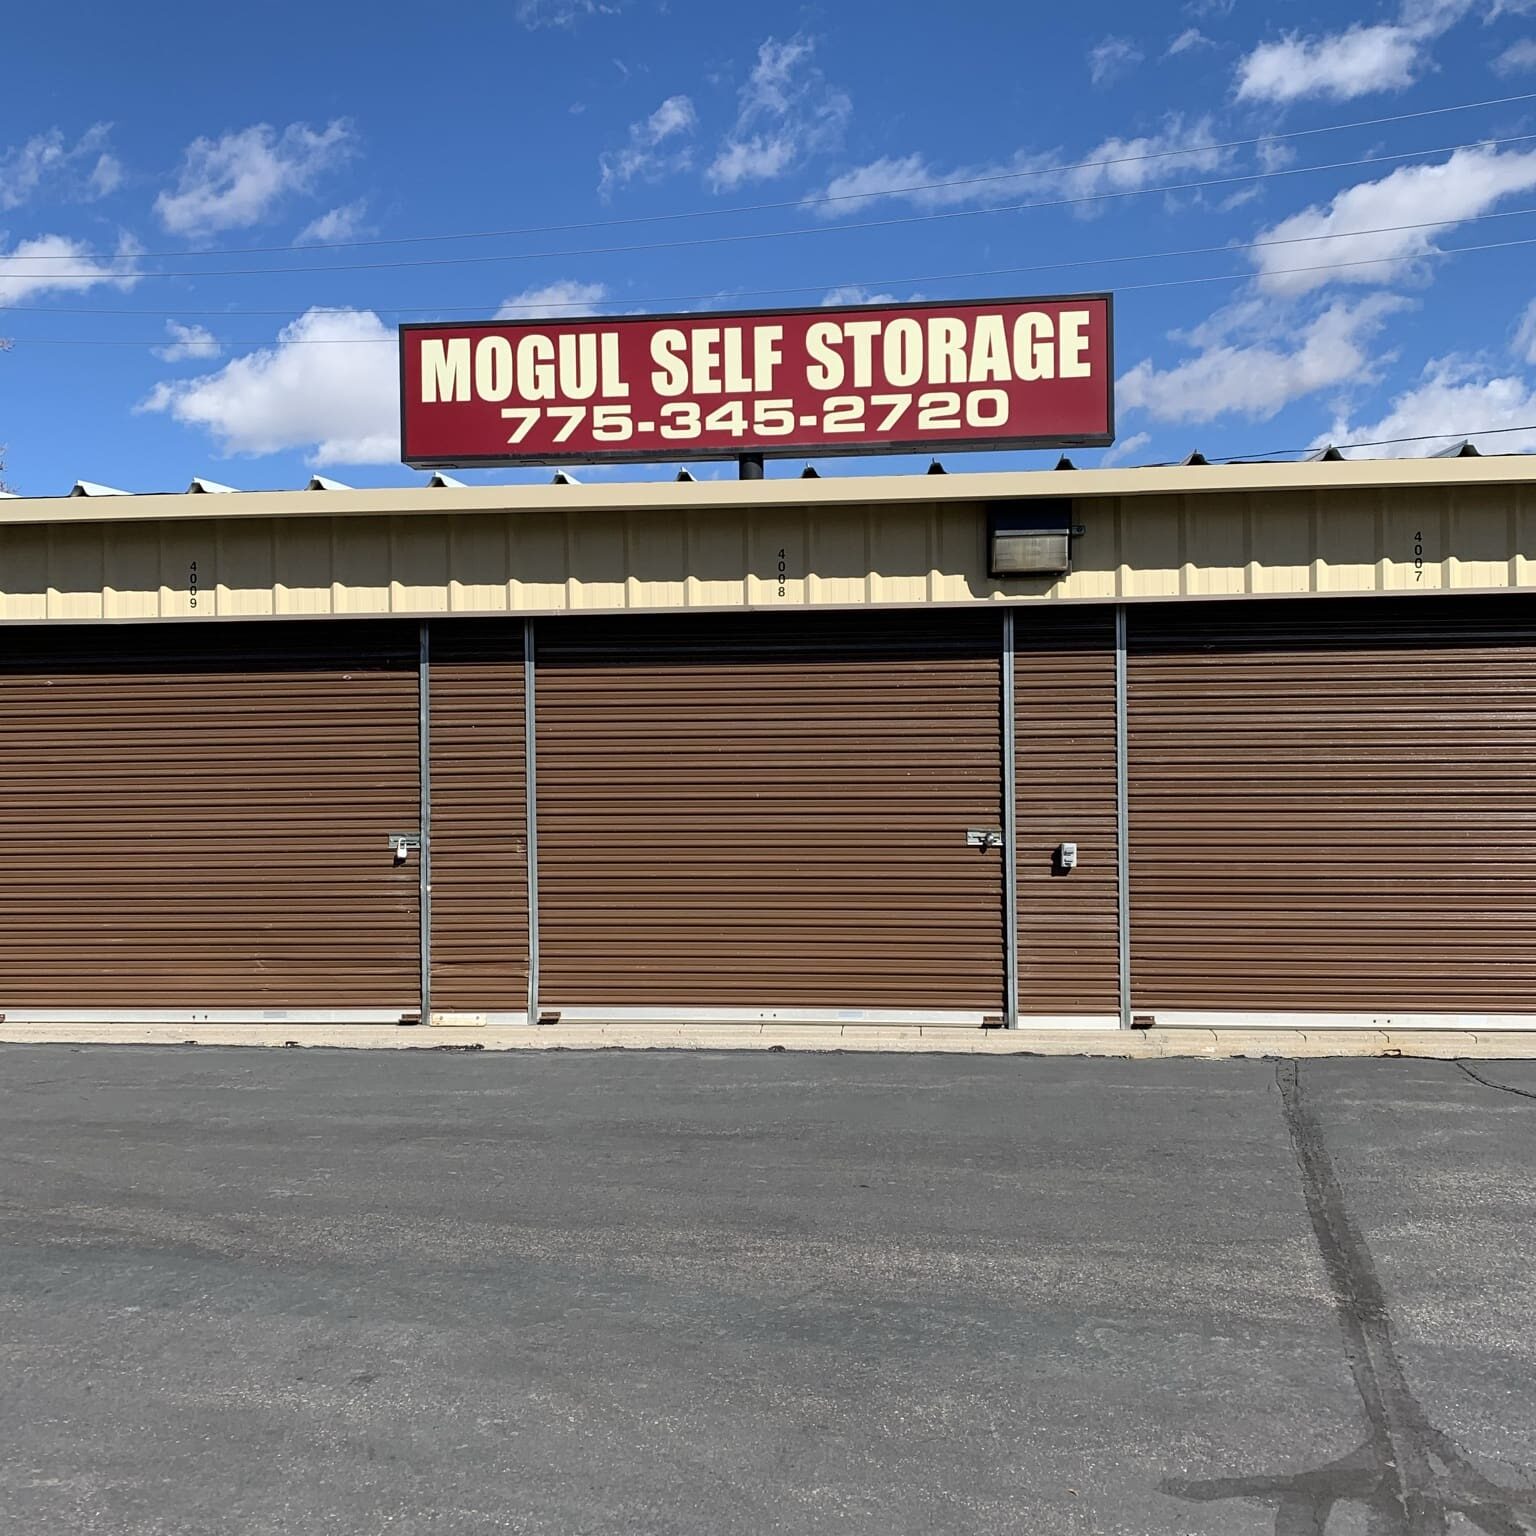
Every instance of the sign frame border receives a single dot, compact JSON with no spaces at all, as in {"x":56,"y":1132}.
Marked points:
{"x":780,"y":450}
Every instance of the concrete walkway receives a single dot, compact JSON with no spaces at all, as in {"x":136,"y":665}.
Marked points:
{"x":1153,"y":1044}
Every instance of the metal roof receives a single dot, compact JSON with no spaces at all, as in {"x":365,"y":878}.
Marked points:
{"x":1317,"y":475}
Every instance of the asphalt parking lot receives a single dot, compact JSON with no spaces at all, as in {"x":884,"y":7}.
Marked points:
{"x":325,"y":1291}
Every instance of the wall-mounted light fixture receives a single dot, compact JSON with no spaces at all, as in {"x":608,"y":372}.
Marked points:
{"x":1030,"y":538}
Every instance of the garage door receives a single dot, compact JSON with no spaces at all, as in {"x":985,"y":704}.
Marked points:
{"x":770,"y":813}
{"x":479,"y":820}
{"x":198,"y":819}
{"x":1064,"y":755}
{"x":1333,"y":807}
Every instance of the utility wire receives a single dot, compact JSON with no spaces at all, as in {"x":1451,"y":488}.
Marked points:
{"x":864,"y":283}
{"x":814,"y":229}
{"x":1375,"y":442}
{"x":1173,"y":282}
{"x":824,"y":199}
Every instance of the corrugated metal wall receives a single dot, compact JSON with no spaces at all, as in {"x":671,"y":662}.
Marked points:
{"x":748,"y":813}
{"x":1332,"y":807}
{"x":479,"y":819}
{"x":202,"y":821}
{"x":1064,"y":707}
{"x":1136,"y":548}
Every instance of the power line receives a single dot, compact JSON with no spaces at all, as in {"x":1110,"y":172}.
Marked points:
{"x":945,"y":184}
{"x":1330,"y":266}
{"x":1377,"y":442}
{"x":815,"y":229}
{"x":1174,"y":282}
{"x":864,"y":283}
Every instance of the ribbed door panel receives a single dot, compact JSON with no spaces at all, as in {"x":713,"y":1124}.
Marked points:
{"x":1064,"y":710}
{"x":199,"y":819}
{"x":1332,"y":806}
{"x":770,"y":812}
{"x":479,"y":819}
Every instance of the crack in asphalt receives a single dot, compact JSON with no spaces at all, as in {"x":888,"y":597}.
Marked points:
{"x":1408,"y":1475}
{"x":1488,"y":1082}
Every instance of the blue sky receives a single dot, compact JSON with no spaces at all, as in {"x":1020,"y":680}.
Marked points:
{"x":159,"y":173}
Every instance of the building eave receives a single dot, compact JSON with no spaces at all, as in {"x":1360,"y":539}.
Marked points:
{"x":807,"y":495}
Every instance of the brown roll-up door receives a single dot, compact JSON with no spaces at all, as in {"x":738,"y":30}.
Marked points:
{"x":770,"y":812}
{"x":1064,"y":752}
{"x":198,"y":818}
{"x":479,"y":819}
{"x":1331,"y":806}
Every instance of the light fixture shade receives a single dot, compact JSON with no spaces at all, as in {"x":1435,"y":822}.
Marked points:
{"x":1031,"y":552}
{"x":1030,"y":538}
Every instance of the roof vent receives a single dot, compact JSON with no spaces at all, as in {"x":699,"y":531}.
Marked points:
{"x":1465,"y":449}
{"x":90,"y":488}
{"x":936,"y":468}
{"x":684,"y":478}
{"x":810,"y":472}
{"x":1065,"y":463}
{"x":320,"y":483}
{"x":562,"y":478}
{"x":1328,"y":455}
{"x":1196,"y":458}
{"x":441,"y":482}
{"x":201,"y":487}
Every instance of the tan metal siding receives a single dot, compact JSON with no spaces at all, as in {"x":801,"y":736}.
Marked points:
{"x":768,"y":813}
{"x":1331,"y":807}
{"x":479,"y":819}
{"x":1139,"y":548}
{"x":202,"y":821}
{"x":1064,"y":709}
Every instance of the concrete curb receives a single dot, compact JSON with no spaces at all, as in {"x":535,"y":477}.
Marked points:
{"x":1131,"y":1045}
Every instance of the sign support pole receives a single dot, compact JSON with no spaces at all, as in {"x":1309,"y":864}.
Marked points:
{"x":749,"y":466}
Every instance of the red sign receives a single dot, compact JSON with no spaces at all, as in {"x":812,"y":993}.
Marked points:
{"x":876,"y":378}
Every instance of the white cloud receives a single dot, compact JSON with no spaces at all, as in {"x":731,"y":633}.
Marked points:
{"x":1386,"y":56}
{"x":1469,"y":183}
{"x":1190,"y":37}
{"x":57,"y":264}
{"x":644,"y":155}
{"x":1341,"y":66}
{"x":553,"y":301}
{"x":238,"y":179}
{"x":1124,"y":449}
{"x":335,"y":225}
{"x":785,"y":112}
{"x":1179,"y":149}
{"x":187,"y":341}
{"x":1453,"y":400}
{"x":1255,"y":378}
{"x":1274,"y":154}
{"x":48,"y":161}
{"x":327,"y":385}
{"x":852,"y":294}
{"x":1517,"y":58}
{"x":536,"y":14}
{"x":106,"y":176}
{"x":1525,"y":334}
{"x":1110,"y":59}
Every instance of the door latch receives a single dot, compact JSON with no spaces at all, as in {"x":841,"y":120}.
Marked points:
{"x":984,"y":837}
